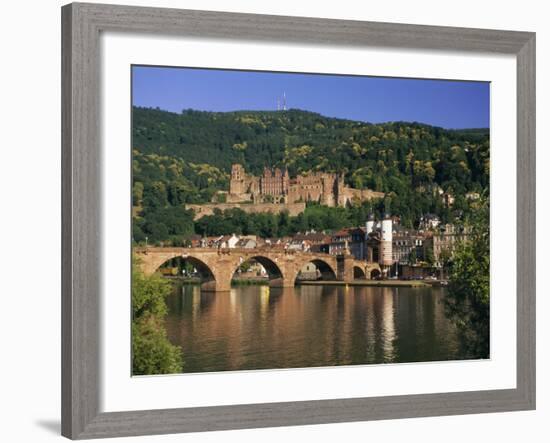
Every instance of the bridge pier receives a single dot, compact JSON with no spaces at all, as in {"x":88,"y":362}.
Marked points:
{"x":223,"y":273}
{"x":281,"y":282}
{"x":344,"y":267}
{"x":215,"y":286}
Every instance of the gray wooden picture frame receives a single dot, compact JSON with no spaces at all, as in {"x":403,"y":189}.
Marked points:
{"x":81,"y":205}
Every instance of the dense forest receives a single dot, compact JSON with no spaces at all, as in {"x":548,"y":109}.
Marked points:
{"x":185,"y":158}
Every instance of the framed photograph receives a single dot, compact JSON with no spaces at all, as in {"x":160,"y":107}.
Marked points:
{"x":274,"y":221}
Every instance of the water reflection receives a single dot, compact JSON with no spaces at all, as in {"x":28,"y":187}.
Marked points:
{"x":257,"y":327}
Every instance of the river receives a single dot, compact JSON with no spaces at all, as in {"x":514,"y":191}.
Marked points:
{"x":257,"y":327}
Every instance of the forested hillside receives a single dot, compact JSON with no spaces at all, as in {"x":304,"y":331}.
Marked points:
{"x":186,"y":158}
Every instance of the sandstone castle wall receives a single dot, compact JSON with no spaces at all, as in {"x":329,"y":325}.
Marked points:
{"x":277,"y":186}
{"x":208,"y":209}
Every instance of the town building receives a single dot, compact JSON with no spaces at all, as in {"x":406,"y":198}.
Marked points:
{"x":246,"y":243}
{"x":347,"y":241}
{"x":309,"y":241}
{"x":448,"y":199}
{"x":309,"y":272}
{"x":428,"y":222}
{"x":408,"y":246}
{"x":219,"y":241}
{"x":444,"y":242}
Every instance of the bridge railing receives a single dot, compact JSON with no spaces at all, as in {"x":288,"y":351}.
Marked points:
{"x":144,"y":250}
{"x":228,"y":251}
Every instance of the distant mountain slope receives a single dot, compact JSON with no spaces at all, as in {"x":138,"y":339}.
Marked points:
{"x":186,"y":157}
{"x":305,"y":141}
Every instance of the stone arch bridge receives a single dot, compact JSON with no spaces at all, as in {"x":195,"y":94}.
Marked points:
{"x":217,"y":266}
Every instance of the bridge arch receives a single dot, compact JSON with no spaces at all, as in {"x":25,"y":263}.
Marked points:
{"x":274,"y":272}
{"x":325,"y":271}
{"x":375,"y":274}
{"x":359,"y":273}
{"x":206,"y":274}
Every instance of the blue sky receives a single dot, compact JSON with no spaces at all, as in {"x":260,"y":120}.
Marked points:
{"x":449,"y":104}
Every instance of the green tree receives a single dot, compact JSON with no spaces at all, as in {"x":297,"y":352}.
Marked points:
{"x":429,"y":255}
{"x":284,"y":224}
{"x":137,"y":233}
{"x":467,"y":303}
{"x":155,"y":196}
{"x":152,"y":352}
{"x":137,"y":193}
{"x":445,"y":259}
{"x":412,"y":257}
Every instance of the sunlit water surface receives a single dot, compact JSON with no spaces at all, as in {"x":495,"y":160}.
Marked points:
{"x":257,"y":327}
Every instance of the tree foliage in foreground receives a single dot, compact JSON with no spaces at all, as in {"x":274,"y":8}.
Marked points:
{"x":468,"y":301}
{"x":152,"y":353}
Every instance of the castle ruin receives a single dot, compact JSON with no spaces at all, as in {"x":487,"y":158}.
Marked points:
{"x":276,"y":186}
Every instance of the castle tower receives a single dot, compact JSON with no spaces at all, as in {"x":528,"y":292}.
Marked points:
{"x":386,"y":238}
{"x":237,"y":181}
{"x":286,"y":181}
{"x":277,"y":185}
{"x":340,"y":194}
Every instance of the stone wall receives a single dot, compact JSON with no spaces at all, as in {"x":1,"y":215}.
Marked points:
{"x":208,"y":208}
{"x":351,"y":194}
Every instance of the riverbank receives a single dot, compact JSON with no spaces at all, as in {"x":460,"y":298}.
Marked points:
{"x":380,"y":283}
{"x":234,"y":282}
{"x":376,"y":283}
